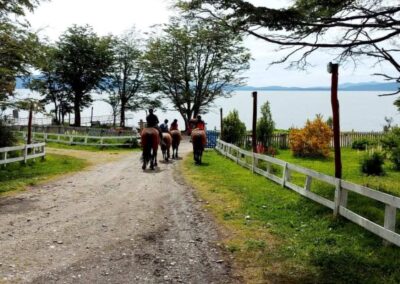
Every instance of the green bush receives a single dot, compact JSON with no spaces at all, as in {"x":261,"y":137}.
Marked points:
{"x":360,"y":144}
{"x":372,"y":164}
{"x":265,"y":126}
{"x":7,"y":138}
{"x":391,"y":145}
{"x":233,"y":130}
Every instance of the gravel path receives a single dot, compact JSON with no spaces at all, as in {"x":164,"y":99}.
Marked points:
{"x":112,"y":223}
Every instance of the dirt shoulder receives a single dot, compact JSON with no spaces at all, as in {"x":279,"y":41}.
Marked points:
{"x":112,"y":223}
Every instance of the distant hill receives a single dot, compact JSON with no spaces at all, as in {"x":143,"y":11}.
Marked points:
{"x":365,"y":86}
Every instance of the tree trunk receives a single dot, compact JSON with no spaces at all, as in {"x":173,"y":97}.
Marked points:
{"x":77,"y":111}
{"x":122,"y":122}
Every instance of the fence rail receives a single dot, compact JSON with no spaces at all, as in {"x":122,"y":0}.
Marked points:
{"x":281,"y":140}
{"x":38,"y":150}
{"x":82,"y":139}
{"x":338,"y":205}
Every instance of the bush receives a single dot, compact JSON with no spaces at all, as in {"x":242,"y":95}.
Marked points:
{"x":311,"y":141}
{"x":265,"y":126}
{"x":372,"y":164}
{"x":233,"y":130}
{"x":7,"y":138}
{"x":360,"y":144}
{"x":391,"y":145}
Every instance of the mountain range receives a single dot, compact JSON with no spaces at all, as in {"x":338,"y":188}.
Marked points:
{"x":364,"y":86}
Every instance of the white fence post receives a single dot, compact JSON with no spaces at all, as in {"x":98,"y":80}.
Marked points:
{"x":285,"y":175}
{"x":307,"y":185}
{"x":340,"y":197}
{"x":390,"y":219}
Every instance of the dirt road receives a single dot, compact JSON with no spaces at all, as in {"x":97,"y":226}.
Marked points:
{"x":112,"y":223}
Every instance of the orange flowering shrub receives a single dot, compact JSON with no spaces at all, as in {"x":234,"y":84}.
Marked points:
{"x":311,"y":141}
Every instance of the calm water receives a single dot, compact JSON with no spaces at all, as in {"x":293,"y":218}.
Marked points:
{"x":360,"y":111}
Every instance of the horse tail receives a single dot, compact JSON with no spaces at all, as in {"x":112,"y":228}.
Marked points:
{"x":147,"y":146}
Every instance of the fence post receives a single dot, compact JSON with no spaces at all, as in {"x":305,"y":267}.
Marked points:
{"x":307,"y":185}
{"x":286,"y":175}
{"x":390,"y":220}
{"x":237,"y":156}
{"x":5,"y":159}
{"x":25,"y":153}
{"x":340,"y":197}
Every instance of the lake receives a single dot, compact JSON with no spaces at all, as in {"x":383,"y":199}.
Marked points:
{"x":359,"y":111}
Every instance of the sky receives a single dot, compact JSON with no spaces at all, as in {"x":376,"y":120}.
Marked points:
{"x":52,"y":18}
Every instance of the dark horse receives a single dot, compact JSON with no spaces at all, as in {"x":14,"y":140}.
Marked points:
{"x":166,"y":146}
{"x":150,"y":139}
{"x":176,"y":140}
{"x":199,"y":141}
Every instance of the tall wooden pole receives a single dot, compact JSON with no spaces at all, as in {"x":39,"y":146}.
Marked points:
{"x":222,"y":118}
{"x":334,"y":69}
{"x":254,"y":136}
{"x":29,"y":139}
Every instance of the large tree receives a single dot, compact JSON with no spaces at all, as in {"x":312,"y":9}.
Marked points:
{"x":352,"y":28}
{"x":17,"y":44}
{"x":48,"y":83}
{"x":126,"y":79}
{"x":83,"y":60}
{"x":192,"y":64}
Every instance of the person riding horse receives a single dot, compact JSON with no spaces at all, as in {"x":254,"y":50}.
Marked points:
{"x":174,"y":125}
{"x":164,"y":126}
{"x":152,"y":121}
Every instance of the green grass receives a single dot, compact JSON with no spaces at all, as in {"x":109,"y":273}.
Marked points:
{"x":277,"y":235}
{"x":17,"y":176}
{"x":90,"y":148}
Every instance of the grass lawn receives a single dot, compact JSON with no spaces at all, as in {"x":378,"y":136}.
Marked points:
{"x":16,"y":176}
{"x":276,"y":235}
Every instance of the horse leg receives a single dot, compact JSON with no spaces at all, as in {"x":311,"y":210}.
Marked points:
{"x":155,"y":158}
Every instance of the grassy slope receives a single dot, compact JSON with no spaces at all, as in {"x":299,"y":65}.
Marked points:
{"x":275,"y":234}
{"x":16,"y":176}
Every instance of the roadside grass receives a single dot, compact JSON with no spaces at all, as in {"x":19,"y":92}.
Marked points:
{"x":91,"y":148}
{"x":276,"y":235}
{"x":17,"y":176}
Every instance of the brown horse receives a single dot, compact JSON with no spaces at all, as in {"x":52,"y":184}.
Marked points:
{"x":199,"y":141}
{"x":166,"y":146}
{"x":176,"y":140}
{"x":149,"y":139}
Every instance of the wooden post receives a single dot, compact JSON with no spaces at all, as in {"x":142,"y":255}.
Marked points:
{"x":29,"y":140}
{"x":222,"y":118}
{"x":333,"y":69}
{"x":390,"y":220}
{"x":254,"y":136}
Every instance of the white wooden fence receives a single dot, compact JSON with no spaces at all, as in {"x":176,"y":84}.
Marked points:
{"x":338,"y":205}
{"x":21,"y":153}
{"x":81,"y":139}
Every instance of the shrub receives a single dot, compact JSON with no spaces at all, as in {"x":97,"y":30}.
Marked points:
{"x":372,"y":164}
{"x":265,"y":126}
{"x":360,"y":144}
{"x":233,"y":130}
{"x":391,"y":145}
{"x":311,"y":141}
{"x":7,"y":138}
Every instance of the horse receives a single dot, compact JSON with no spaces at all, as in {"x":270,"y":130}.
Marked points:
{"x":149,"y":139}
{"x":199,"y":141}
{"x":176,"y":140}
{"x":165,"y":147}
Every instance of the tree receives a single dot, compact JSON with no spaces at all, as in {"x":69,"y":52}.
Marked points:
{"x":17,"y":44}
{"x":265,"y":125}
{"x":83,"y":60}
{"x":192,"y":64}
{"x":234,"y":130}
{"x":48,"y":84}
{"x":115,"y":102}
{"x":353,"y":28}
{"x":126,"y":79}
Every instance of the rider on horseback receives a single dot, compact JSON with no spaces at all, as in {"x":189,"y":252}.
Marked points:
{"x":174,"y":125}
{"x":152,"y":121}
{"x":200,"y":124}
{"x":164,"y":126}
